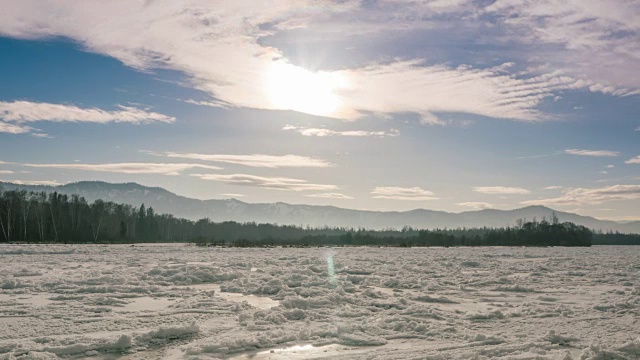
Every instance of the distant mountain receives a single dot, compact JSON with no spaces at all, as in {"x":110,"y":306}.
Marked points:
{"x":164,"y":201}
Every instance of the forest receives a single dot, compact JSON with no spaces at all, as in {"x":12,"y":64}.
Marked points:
{"x":39,"y":217}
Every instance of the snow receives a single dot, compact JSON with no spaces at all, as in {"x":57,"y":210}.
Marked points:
{"x":184,"y":302}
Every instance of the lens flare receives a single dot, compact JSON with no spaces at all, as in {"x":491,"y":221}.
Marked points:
{"x":292,"y":87}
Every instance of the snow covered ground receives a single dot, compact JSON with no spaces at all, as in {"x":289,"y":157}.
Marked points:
{"x":176,"y":301}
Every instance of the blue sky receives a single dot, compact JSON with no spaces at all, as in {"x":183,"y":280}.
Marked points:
{"x":385,"y":105}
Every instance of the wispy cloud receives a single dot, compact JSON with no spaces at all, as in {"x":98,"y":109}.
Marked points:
{"x":582,"y":196}
{"x":605,"y":38}
{"x":14,"y":115}
{"x":254,"y":160}
{"x":338,"y":196}
{"x":33,"y":182}
{"x":501,"y":190}
{"x":635,"y":160}
{"x":26,"y":111}
{"x":319,"y":132}
{"x":128,"y":168}
{"x":596,"y":153}
{"x":553,"y":187}
{"x":233,"y":195}
{"x":477,"y":205}
{"x":219,"y":47}
{"x":402,"y":193}
{"x":13,"y":128}
{"x":278,"y":183}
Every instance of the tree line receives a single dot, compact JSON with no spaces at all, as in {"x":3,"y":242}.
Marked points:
{"x":39,"y":217}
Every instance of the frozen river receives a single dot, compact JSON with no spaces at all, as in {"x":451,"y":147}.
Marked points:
{"x":173,"y":301}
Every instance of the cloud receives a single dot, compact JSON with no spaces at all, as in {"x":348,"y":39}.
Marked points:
{"x":590,"y":40}
{"x":402,"y":193}
{"x":610,"y":166}
{"x":596,"y":153}
{"x":42,"y":135}
{"x":502,"y":190}
{"x":254,"y":160}
{"x":477,"y":205}
{"x":129,"y":168}
{"x":582,"y":196}
{"x":278,"y":183}
{"x":553,"y":187}
{"x":487,"y":92}
{"x":220,"y":48}
{"x":27,"y":111}
{"x":330,"y":196}
{"x":33,"y":182}
{"x":319,"y":132}
{"x":13,"y":128}
{"x":635,"y":160}
{"x":13,"y":116}
{"x":233,"y":195}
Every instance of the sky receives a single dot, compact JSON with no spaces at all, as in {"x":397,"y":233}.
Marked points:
{"x":381,"y":105}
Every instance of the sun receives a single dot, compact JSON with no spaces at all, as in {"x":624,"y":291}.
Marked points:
{"x":291,"y":87}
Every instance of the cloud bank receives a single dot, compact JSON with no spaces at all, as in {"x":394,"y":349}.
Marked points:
{"x":14,"y":115}
{"x":277,"y":183}
{"x":477,"y":205}
{"x":501,"y":190}
{"x":584,"y":196}
{"x":254,"y":160}
{"x":635,"y":160}
{"x":337,"y":196}
{"x":129,"y":168}
{"x":219,"y":46}
{"x":402,"y":193}
{"x":596,"y":153}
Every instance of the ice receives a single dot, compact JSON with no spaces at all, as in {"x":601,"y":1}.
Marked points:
{"x":177,"y":301}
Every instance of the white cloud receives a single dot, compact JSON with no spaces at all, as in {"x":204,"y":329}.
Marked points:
{"x":477,"y":205}
{"x":33,"y":182}
{"x":330,"y":196}
{"x":13,"y":128}
{"x":600,"y":42}
{"x":553,"y":187}
{"x":635,"y":160}
{"x":217,"y":45}
{"x":402,"y":193}
{"x":502,"y":190}
{"x":610,"y":166}
{"x":596,"y":153}
{"x":233,"y":195}
{"x":401,"y":87}
{"x":27,"y":111}
{"x":427,"y":118}
{"x":278,"y":183}
{"x":319,"y":132}
{"x":4,"y":172}
{"x":129,"y":168}
{"x":254,"y":160}
{"x":582,"y":196}
{"x":13,"y":116}
{"x":42,"y":135}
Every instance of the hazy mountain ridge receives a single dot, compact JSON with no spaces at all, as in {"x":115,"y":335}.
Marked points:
{"x":164,"y":201}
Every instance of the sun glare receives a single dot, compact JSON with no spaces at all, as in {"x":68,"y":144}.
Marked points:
{"x":294,"y":88}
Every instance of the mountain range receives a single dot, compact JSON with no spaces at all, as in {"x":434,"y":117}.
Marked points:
{"x":164,"y":201}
